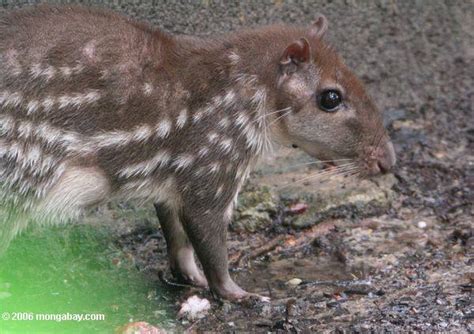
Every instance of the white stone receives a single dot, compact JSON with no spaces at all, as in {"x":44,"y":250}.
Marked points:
{"x":422,"y":224}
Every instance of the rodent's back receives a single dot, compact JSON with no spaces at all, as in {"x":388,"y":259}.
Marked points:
{"x":74,"y":57}
{"x":67,"y":82}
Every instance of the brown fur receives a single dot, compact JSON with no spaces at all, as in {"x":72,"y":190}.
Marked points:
{"x":173,"y":119}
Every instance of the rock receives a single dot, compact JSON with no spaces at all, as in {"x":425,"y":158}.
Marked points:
{"x":140,"y":327}
{"x":254,"y":209}
{"x":303,"y":221}
{"x":294,"y":282}
{"x":332,"y":197}
{"x":421,"y":224}
{"x":393,"y":114}
{"x":298,"y":208}
{"x":194,"y":308}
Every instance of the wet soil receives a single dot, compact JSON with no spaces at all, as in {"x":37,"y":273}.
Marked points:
{"x":394,"y":254}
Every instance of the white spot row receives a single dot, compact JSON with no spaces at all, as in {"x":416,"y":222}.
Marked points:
{"x":146,"y":167}
{"x":47,"y":72}
{"x":77,"y":99}
{"x":15,"y":99}
{"x":225,"y":143}
{"x":31,"y":158}
{"x":28,"y":156}
{"x":43,"y":130}
{"x":212,"y":168}
{"x":117,"y":138}
{"x":73,"y":141}
{"x":218,"y":102}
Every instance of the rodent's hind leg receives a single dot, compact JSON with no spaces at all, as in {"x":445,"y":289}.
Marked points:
{"x":180,"y":251}
{"x":208,"y":234}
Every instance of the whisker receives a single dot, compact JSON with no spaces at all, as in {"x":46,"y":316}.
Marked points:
{"x":350,"y":173}
{"x":267,"y":144}
{"x":320,"y":176}
{"x":279,"y":117}
{"x":318,"y":162}
{"x":338,"y":170}
{"x":271,"y":113}
{"x":265,"y":115}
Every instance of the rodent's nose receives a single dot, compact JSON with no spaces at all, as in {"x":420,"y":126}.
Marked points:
{"x":382,"y":159}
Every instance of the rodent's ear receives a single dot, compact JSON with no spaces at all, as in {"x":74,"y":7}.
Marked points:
{"x":319,"y":26}
{"x":295,"y":54}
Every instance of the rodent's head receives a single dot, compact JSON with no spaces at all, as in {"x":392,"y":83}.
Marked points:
{"x":331,"y":116}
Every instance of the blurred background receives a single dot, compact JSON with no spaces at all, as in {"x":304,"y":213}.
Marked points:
{"x":409,"y":232}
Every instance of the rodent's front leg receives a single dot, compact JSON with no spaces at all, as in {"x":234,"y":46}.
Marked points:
{"x":208,"y":234}
{"x":180,"y":251}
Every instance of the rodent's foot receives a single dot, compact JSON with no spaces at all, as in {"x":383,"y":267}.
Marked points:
{"x":244,"y":298}
{"x":255,"y":297}
{"x":184,"y":268}
{"x":232,"y":292}
{"x":196,"y":279}
{"x":263,"y":299}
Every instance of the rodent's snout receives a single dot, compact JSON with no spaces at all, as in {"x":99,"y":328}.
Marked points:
{"x":381,"y":159}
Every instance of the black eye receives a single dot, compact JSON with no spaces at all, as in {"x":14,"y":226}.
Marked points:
{"x":329,"y":100}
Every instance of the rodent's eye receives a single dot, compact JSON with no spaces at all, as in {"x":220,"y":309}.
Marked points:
{"x":329,"y":100}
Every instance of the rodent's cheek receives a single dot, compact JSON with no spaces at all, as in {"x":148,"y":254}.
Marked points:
{"x":313,"y":149}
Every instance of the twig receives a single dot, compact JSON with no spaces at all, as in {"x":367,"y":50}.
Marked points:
{"x":267,"y":247}
{"x":360,"y":287}
{"x":166,"y":281}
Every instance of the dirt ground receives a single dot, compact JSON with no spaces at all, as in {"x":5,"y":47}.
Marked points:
{"x":391,"y":254}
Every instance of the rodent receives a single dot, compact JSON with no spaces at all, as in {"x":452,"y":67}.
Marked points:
{"x":94,"y":105}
